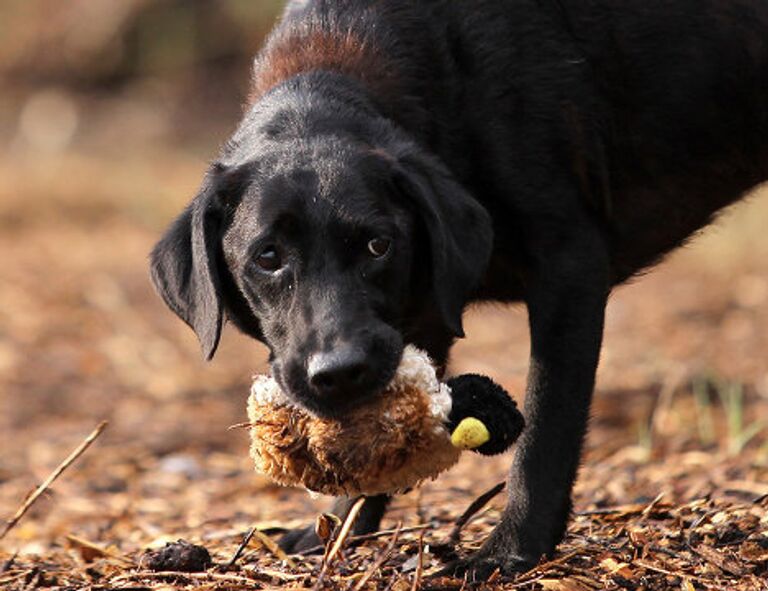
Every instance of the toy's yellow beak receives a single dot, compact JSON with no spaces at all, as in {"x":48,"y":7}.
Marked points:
{"x":470,"y":433}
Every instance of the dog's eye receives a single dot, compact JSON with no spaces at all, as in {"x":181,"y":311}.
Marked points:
{"x":269,"y":259}
{"x":378,"y":247}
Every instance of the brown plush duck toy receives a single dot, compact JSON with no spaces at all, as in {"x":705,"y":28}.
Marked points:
{"x":412,"y":432}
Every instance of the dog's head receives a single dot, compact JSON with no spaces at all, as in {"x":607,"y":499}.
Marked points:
{"x":332,"y":250}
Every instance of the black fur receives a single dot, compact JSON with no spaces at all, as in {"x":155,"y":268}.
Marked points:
{"x":514,"y":150}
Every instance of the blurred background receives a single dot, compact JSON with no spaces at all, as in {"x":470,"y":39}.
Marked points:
{"x":109,"y":113}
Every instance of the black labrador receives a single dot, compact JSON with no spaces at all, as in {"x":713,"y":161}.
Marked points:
{"x":399,"y":159}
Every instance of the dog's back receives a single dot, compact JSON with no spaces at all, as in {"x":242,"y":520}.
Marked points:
{"x":659,"y":108}
{"x":685,"y":87}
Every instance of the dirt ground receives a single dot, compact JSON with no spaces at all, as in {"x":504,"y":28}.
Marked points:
{"x":672,"y":493}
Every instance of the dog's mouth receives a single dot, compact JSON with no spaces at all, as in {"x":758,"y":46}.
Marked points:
{"x":298,"y":390}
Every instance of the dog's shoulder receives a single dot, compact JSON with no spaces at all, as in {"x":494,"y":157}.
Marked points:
{"x":394,"y":50}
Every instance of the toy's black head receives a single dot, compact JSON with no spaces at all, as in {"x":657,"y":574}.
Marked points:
{"x":481,"y":398}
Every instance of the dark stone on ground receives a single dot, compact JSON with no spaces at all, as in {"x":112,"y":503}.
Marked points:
{"x":178,"y":556}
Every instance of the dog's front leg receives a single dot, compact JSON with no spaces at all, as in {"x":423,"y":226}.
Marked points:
{"x":300,"y":540}
{"x":567,"y":287}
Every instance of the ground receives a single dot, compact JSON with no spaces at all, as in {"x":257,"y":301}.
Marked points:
{"x":671,"y":495}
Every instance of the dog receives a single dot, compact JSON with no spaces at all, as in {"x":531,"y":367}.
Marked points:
{"x":399,"y":159}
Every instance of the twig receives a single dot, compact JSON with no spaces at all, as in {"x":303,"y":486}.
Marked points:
{"x":383,"y":557}
{"x":50,"y":480}
{"x":699,"y":520}
{"x":276,"y":574}
{"x":272,"y":547}
{"x":33,"y":578}
{"x":346,"y":527}
{"x":11,"y":578}
{"x":659,"y":550}
{"x":355,"y":540}
{"x":525,"y":583}
{"x":476,"y":506}
{"x":652,"y":505}
{"x":182,"y":576}
{"x":241,"y":548}
{"x":9,"y":563}
{"x":660,"y":411}
{"x":419,"y":564}
{"x":85,"y":544}
{"x":542,"y":568}
{"x":711,"y":556}
{"x":663,"y":571}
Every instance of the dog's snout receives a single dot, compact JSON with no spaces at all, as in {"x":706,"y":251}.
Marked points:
{"x":339,"y":372}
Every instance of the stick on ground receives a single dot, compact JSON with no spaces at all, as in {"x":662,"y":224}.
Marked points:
{"x":355,"y":540}
{"x":419,"y":565}
{"x":52,"y":478}
{"x":379,"y":562}
{"x":472,"y":510}
{"x":241,"y":548}
{"x":346,"y":527}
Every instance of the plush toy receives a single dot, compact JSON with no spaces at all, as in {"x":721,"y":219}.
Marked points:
{"x":411,"y":432}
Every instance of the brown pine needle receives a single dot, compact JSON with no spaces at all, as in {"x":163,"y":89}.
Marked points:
{"x":419,"y":564}
{"x":9,"y":563}
{"x":241,"y":547}
{"x":380,"y":560}
{"x":180,"y":576}
{"x":98,"y":550}
{"x":652,"y":505}
{"x":272,"y":547}
{"x":25,"y":506}
{"x":473,"y":509}
{"x":652,"y":567}
{"x":355,"y":540}
{"x":346,"y":527}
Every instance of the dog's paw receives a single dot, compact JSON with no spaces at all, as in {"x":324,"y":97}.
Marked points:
{"x":300,"y":541}
{"x":482,"y":565}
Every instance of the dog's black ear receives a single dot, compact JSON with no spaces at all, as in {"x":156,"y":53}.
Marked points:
{"x":184,"y":264}
{"x":459,"y":228}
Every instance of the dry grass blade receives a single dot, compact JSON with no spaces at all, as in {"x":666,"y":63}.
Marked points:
{"x":9,"y":563}
{"x":354,"y":540}
{"x":724,"y":563}
{"x":419,"y":565}
{"x":272,"y":547}
{"x":180,"y":576}
{"x":346,"y":527}
{"x":652,"y":505}
{"x":379,"y":562}
{"x":279,"y":575}
{"x":241,"y":547}
{"x":88,"y":548}
{"x":472,"y":510}
{"x":540,"y":570}
{"x":652,"y":567}
{"x":25,"y":506}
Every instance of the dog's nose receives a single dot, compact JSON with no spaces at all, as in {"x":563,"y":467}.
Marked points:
{"x":339,"y":372}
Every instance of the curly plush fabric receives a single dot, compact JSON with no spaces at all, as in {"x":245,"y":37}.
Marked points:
{"x":391,"y":444}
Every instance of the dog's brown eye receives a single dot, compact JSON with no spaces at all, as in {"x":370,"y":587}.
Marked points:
{"x":378,"y":247}
{"x":269,"y":259}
